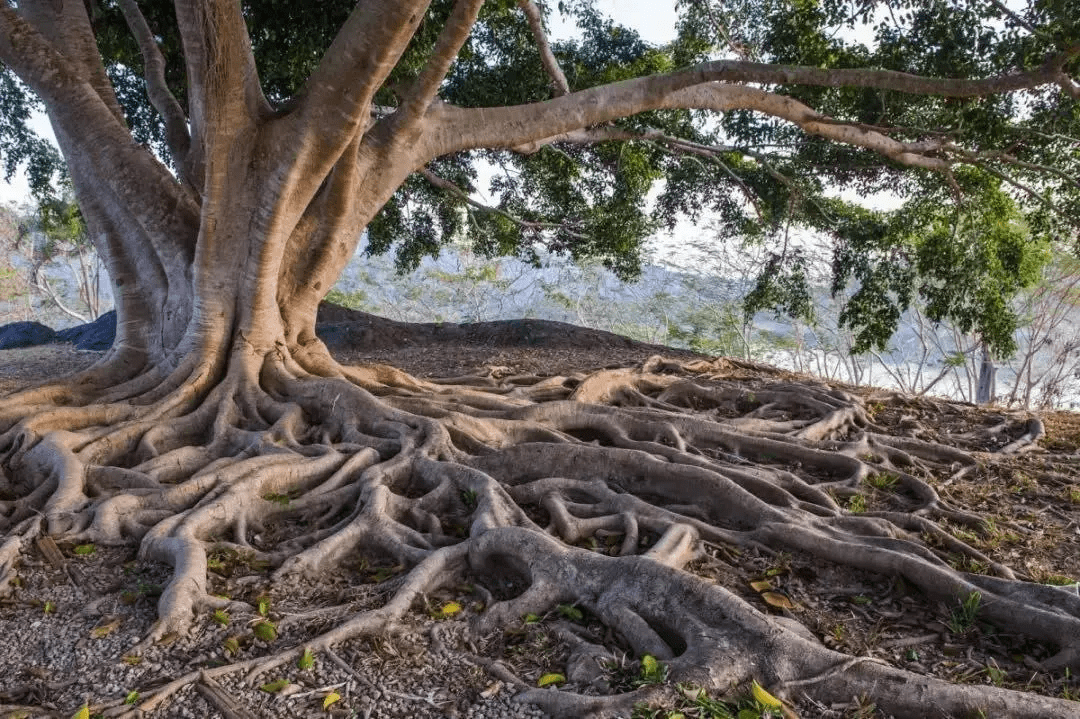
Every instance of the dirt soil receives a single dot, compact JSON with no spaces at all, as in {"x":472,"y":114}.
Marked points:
{"x":67,"y":632}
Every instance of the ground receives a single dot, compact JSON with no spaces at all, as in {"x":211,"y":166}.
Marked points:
{"x":78,"y":610}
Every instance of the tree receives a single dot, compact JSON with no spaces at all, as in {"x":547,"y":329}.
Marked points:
{"x":286,"y":134}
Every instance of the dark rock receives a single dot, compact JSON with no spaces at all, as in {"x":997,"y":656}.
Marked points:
{"x":97,"y":335}
{"x":25,"y":334}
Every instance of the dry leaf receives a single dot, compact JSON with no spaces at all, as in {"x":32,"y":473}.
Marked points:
{"x":775,"y":599}
{"x":104,"y":630}
{"x":761,"y":586}
{"x":329,"y":699}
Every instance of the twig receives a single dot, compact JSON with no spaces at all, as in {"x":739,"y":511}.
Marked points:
{"x":214,"y":693}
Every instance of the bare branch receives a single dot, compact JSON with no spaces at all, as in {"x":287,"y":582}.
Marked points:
{"x":740,"y":50}
{"x":1016,"y":18}
{"x":559,"y":85}
{"x":714,"y":88}
{"x":446,"y":185}
{"x":424,"y":90}
{"x":161,"y":97}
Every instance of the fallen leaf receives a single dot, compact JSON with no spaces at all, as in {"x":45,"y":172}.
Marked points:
{"x":549,"y":679}
{"x":450,"y":609}
{"x":265,"y":631}
{"x":275,"y":686}
{"x":306,"y":660}
{"x":763,"y":697}
{"x":775,"y":599}
{"x":83,"y":713}
{"x":263,"y":606}
{"x":570,"y":612}
{"x":232,"y":645}
{"x":761,"y":586}
{"x":329,"y":699}
{"x":104,"y":630}
{"x":131,"y":660}
{"x":84,"y":550}
{"x":132,"y":697}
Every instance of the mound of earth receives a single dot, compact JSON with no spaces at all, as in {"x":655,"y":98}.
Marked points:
{"x":1002,"y":494}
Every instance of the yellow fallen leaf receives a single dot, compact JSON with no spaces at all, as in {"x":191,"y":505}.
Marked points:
{"x":329,"y":699}
{"x":761,"y":586}
{"x":763,"y":697}
{"x":83,"y":713}
{"x":775,"y":599}
{"x":450,"y":609}
{"x":104,"y":630}
{"x":549,"y":679}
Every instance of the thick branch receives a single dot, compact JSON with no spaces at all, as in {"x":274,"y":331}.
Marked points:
{"x":336,"y":98}
{"x":707,"y":96}
{"x":426,"y":87}
{"x":522,"y":124}
{"x":559,"y":85}
{"x":77,"y":110}
{"x":224,"y":94}
{"x":163,"y":100}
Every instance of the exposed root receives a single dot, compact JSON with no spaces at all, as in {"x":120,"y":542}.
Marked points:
{"x":514,"y":485}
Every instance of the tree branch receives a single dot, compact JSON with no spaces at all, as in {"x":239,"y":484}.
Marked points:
{"x":448,"y":186}
{"x":714,"y":88}
{"x":426,"y":87}
{"x":163,"y":100}
{"x":79,"y":113}
{"x":559,"y":85}
{"x":336,"y":98}
{"x":223,"y":82}
{"x":721,"y":98}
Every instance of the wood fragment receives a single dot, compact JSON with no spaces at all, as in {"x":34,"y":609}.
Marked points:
{"x":51,"y":552}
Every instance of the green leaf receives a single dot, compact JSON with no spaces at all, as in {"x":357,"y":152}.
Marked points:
{"x":450,"y":609}
{"x":531,"y":618}
{"x":231,"y":645}
{"x":549,"y":679}
{"x":263,"y":606}
{"x":84,"y":549}
{"x":265,"y":631}
{"x":763,"y":697}
{"x":49,"y":607}
{"x":570,"y":612}
{"x":275,"y":686}
{"x":221,"y":617}
{"x":132,"y":697}
{"x":306,"y":660}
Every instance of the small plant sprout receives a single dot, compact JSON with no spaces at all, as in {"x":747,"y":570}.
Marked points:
{"x":964,"y":615}
{"x":652,"y":671}
{"x":884,"y":481}
{"x":468,"y":497}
